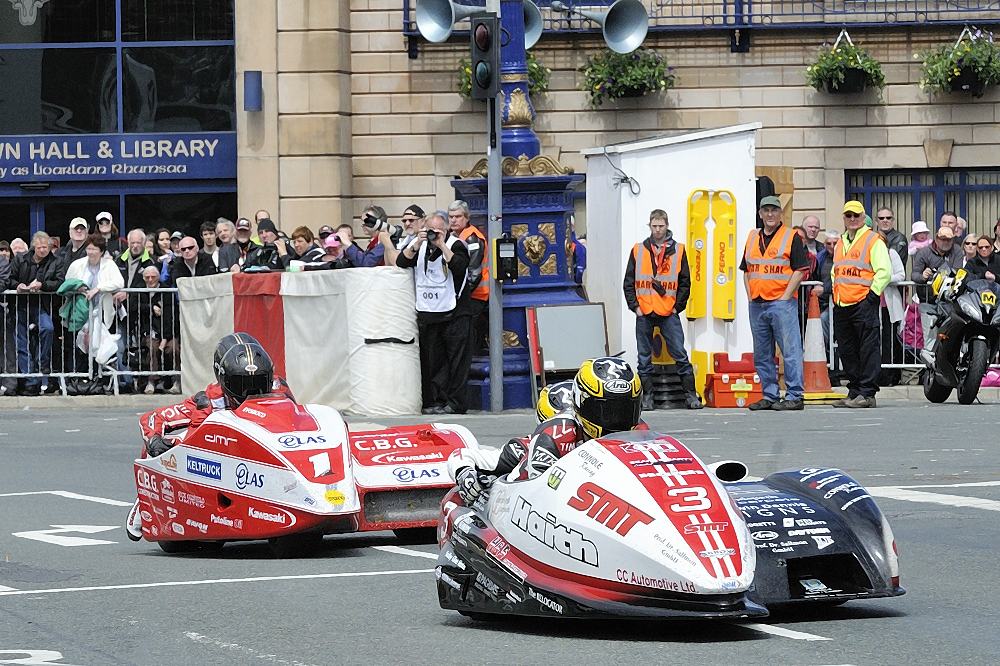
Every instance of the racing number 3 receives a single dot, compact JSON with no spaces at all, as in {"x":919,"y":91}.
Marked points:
{"x":692,"y":498}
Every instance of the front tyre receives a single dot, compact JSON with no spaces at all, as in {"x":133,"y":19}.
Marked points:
{"x":932,"y":390}
{"x":979,"y":363}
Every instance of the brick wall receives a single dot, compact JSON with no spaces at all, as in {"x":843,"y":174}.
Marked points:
{"x":400,"y":133}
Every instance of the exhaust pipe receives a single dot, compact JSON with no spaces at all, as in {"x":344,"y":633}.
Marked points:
{"x":729,"y":471}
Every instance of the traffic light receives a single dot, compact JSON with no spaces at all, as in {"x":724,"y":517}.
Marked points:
{"x":485,"y":56}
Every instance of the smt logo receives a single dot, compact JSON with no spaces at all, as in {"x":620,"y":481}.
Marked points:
{"x":294,"y":441}
{"x":547,"y":530}
{"x":408,"y":475}
{"x":705,"y":527}
{"x":607,"y":508}
{"x":648,"y":447}
{"x":211,"y":469}
{"x":244,"y":477}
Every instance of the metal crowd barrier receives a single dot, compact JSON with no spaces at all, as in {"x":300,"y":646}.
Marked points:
{"x":64,"y":353}
{"x":902,"y":340}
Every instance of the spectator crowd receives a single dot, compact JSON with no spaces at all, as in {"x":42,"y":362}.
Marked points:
{"x":63,"y":302}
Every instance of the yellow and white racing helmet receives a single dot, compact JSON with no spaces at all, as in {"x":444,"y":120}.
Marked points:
{"x":607,"y":396}
{"x":553,"y":399}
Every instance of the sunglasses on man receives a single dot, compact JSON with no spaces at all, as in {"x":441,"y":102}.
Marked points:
{"x":852,"y":215}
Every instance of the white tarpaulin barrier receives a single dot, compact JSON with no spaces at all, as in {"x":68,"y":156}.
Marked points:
{"x":344,"y":338}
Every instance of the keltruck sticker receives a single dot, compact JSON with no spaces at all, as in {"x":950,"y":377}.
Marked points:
{"x":211,"y":469}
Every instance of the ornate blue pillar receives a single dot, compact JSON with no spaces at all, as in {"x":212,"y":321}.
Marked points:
{"x":517,"y":136}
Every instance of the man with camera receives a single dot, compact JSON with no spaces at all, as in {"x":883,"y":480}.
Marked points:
{"x":657,"y":285}
{"x":439,"y":262}
{"x":413,"y":219}
{"x":273,"y":254}
{"x":373,"y":220}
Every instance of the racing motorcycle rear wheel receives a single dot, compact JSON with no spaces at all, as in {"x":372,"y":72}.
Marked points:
{"x":979,"y":363}
{"x":932,"y":390}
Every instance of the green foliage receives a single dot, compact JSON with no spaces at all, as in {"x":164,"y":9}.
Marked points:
{"x":609,"y":75}
{"x":833,"y":61}
{"x":538,"y":77}
{"x":942,"y":65}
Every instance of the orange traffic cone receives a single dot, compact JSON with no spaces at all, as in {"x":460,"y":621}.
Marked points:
{"x":815,"y":378}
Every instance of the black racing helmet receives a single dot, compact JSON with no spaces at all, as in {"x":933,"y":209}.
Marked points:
{"x":245,"y":370}
{"x":225,"y":344}
{"x":607,"y":396}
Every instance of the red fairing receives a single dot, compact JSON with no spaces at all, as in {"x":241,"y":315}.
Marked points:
{"x":405,"y":445}
{"x":683,"y":489}
{"x":277,"y":415}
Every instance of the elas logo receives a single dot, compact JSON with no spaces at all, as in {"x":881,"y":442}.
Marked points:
{"x":294,"y":441}
{"x":607,"y":508}
{"x":408,"y":474}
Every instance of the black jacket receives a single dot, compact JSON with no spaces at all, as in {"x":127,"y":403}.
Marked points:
{"x":267,"y":255}
{"x":67,"y":255}
{"x":50,"y":272}
{"x":229,"y":256}
{"x":163,"y":326}
{"x":178,"y":269}
{"x":683,"y":278}
{"x":145,"y":261}
{"x":897,"y":242}
{"x":977,"y":268}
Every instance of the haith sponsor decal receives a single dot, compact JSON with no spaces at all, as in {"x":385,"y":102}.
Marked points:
{"x":607,"y":508}
{"x":548,"y":531}
{"x":211,"y":469}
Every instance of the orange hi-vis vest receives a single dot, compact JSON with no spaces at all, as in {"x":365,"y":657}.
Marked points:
{"x":853,"y":273}
{"x":482,"y":290}
{"x":667,"y":275}
{"x":769,"y":271}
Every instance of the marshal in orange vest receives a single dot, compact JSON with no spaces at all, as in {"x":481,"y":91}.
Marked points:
{"x":853,"y":273}
{"x":770,"y":271}
{"x":482,"y":290}
{"x":666,"y":276}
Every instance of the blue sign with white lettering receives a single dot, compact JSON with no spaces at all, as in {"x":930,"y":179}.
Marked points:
{"x":202,"y":467}
{"x":46,"y":158}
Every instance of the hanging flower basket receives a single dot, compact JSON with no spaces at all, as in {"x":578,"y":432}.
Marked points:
{"x":608,"y":75}
{"x":969,"y":66}
{"x":843,"y":68}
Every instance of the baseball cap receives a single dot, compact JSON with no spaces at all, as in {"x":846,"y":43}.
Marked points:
{"x":104,"y":215}
{"x":945,"y":232}
{"x":854,"y":207}
{"x":243,"y":224}
{"x":415,"y":211}
{"x":266,"y":225}
{"x":177,"y":235}
{"x":331,"y":241}
{"x":770,"y":201}
{"x":919,"y":227}
{"x":325,"y":231}
{"x":78,"y":222}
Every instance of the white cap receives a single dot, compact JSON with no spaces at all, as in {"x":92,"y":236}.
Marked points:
{"x":78,"y":222}
{"x":919,"y":227}
{"x":104,"y":215}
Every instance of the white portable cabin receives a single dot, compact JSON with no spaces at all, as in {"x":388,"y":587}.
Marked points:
{"x":664,"y":171}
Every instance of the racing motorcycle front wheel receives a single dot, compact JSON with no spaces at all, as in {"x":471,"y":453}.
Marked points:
{"x":979,"y":363}
{"x":932,"y":390}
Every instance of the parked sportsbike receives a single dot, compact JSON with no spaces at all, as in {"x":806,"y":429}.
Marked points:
{"x":966,"y":321}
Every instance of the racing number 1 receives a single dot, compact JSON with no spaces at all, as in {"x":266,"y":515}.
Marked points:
{"x":692,"y":498}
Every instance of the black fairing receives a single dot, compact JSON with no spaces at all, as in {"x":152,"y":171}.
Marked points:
{"x":819,"y":526}
{"x":956,"y":328}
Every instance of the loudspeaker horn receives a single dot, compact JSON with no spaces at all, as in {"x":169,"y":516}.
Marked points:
{"x":436,"y":18}
{"x":625,"y":25}
{"x":532,"y":23}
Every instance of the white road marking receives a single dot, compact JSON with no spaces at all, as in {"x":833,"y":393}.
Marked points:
{"x":406,"y":551}
{"x":236,"y":647}
{"x":934,"y":498}
{"x":74,"y":430}
{"x":54,"y":536}
{"x":4,"y":588}
{"x":784,"y":633}
{"x":69,"y":495}
{"x":969,"y":484}
{"x":217,"y":581}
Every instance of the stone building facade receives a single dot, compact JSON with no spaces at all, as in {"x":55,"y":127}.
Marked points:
{"x":350,"y":119}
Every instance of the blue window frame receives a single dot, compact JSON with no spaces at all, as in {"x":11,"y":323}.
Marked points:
{"x":924,"y":194}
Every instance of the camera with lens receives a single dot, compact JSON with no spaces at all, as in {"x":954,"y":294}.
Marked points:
{"x":372,"y":222}
{"x":432,"y":235}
